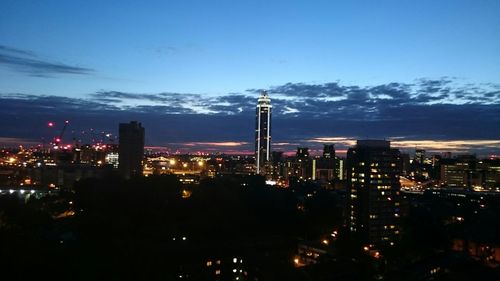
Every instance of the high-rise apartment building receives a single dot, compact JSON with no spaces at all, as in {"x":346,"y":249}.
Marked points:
{"x":131,"y":149}
{"x":339,"y":168}
{"x":420,"y":156}
{"x":325,"y":168}
{"x":263,"y":133}
{"x":302,"y":153}
{"x":373,"y":188}
{"x":328,"y":151}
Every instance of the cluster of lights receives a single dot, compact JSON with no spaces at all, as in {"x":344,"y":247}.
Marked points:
{"x":183,"y":238}
{"x":21,"y":191}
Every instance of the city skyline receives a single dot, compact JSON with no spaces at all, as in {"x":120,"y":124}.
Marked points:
{"x":250,"y":140}
{"x":422,"y":74}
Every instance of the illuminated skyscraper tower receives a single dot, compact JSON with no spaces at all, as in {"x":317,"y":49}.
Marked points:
{"x":263,"y":132}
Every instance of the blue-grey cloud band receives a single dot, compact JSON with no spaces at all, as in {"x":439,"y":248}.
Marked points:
{"x":27,"y":62}
{"x":303,"y":113}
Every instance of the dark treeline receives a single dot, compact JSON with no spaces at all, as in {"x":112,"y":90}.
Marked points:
{"x":155,"y":228}
{"x":144,"y":229}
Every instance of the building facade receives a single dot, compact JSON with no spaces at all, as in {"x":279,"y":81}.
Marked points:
{"x":131,"y":149}
{"x":373,"y":189}
{"x":263,"y":133}
{"x":325,"y":168}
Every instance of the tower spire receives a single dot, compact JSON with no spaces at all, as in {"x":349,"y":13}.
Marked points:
{"x":263,"y":132}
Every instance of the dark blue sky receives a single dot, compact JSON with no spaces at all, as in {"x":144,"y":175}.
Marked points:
{"x":190,"y":70}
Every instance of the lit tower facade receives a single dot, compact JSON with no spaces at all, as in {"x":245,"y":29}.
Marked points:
{"x":373,"y":189}
{"x":263,"y":133}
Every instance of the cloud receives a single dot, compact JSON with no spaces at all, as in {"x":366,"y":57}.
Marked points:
{"x":324,"y":100}
{"x":482,"y":146}
{"x":5,"y":49}
{"x":305,"y":90}
{"x":446,"y":145}
{"x":16,"y":141}
{"x":289,"y":110}
{"x":438,"y":109}
{"x":21,"y":103}
{"x":27,"y":62}
{"x":166,"y":50}
{"x":216,"y":144}
{"x":174,"y":103}
{"x":162,"y":97}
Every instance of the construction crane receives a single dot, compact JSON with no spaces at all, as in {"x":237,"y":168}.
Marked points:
{"x":58,"y":139}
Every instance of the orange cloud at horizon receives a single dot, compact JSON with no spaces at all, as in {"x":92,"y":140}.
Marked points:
{"x":446,"y":144}
{"x":223,"y":143}
{"x":460,"y":145}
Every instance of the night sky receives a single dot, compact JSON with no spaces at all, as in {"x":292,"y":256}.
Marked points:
{"x":424,"y":74}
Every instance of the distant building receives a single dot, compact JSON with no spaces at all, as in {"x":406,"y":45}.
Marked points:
{"x":310,"y":252}
{"x":278,"y":166}
{"x":459,"y":171}
{"x":373,"y":188}
{"x":419,"y":156}
{"x":131,"y":149}
{"x":305,"y":167}
{"x":454,"y":173}
{"x":263,"y":133}
{"x":223,"y":268}
{"x":328,"y":151}
{"x":490,"y":170}
{"x":405,"y":163}
{"x":339,"y":168}
{"x":468,"y":172}
{"x":447,"y":155}
{"x":325,"y":168}
{"x":302,"y":153}
{"x":96,"y":154}
{"x":112,"y":158}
